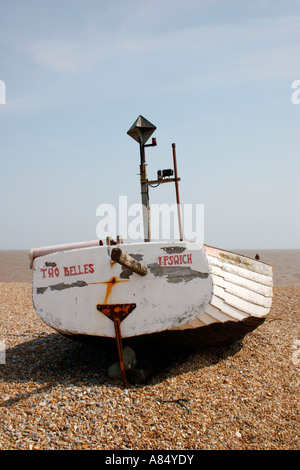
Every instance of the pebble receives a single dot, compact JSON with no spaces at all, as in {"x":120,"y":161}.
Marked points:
{"x":56,"y":394}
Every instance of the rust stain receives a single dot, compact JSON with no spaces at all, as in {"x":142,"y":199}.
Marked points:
{"x":119,"y":311}
{"x":110,"y":284}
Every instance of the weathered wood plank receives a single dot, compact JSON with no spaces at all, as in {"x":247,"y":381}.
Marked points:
{"x":262,"y":289}
{"x":218,"y":314}
{"x":239,"y":271}
{"x":208,"y":319}
{"x":227,"y":309}
{"x":239,"y":260}
{"x":242,"y":292}
{"x":241,"y":304}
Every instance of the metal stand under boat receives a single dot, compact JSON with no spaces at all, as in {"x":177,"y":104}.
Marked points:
{"x":118,"y":312}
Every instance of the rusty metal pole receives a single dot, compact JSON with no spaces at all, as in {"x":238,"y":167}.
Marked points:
{"x":177,"y":192}
{"x":117,"y":313}
{"x":117,"y":323}
{"x":145,"y":196}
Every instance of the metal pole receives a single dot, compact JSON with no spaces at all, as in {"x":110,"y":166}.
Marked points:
{"x":145,"y":196}
{"x":177,"y":192}
{"x":117,"y":322}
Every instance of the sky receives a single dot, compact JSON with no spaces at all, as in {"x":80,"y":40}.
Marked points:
{"x":214,"y":76}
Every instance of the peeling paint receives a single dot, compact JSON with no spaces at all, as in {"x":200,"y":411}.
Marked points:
{"x":174,"y":249}
{"x":61,"y":286}
{"x":235,"y":259}
{"x":41,"y":290}
{"x":176,"y":274}
{"x":126,"y":273}
{"x":137,"y":257}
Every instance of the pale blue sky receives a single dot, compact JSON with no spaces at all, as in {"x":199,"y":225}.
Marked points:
{"x":214,"y":76}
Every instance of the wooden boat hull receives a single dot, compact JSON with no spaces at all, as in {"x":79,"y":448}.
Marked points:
{"x":192,"y":295}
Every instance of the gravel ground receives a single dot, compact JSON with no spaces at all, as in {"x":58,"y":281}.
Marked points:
{"x":55,"y":393}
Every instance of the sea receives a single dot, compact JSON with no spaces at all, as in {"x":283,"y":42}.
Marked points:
{"x":15,"y":267}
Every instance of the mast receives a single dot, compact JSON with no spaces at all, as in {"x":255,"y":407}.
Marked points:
{"x":141,"y":130}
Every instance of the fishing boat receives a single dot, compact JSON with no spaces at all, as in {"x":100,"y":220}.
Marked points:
{"x":185,"y":294}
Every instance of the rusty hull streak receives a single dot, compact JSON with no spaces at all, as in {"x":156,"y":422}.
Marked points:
{"x":110,"y":284}
{"x":61,"y":286}
{"x":176,"y":274}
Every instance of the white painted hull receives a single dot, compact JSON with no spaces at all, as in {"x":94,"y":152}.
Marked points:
{"x":188,"y":288}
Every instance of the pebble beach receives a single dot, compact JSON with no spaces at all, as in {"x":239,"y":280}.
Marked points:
{"x":55,"y":394}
